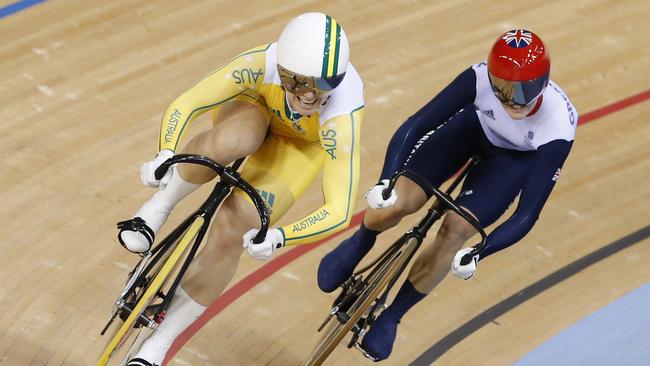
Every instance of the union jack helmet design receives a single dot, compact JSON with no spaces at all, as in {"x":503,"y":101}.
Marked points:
{"x":519,"y":67}
{"x":518,"y":38}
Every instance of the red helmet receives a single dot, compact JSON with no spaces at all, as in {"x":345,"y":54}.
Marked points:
{"x":518,"y":67}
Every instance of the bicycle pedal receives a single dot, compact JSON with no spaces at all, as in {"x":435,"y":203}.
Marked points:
{"x":376,"y":309}
{"x":357,"y":345}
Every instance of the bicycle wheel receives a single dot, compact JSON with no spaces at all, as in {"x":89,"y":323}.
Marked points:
{"x":376,"y":283}
{"x":150,"y":292}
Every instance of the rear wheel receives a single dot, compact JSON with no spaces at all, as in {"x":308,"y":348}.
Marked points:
{"x":343,"y":322}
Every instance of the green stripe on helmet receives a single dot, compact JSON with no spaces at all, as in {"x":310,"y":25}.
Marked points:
{"x":336,"y":49}
{"x":326,"y":50}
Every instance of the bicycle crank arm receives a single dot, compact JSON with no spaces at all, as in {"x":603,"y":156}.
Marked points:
{"x":134,"y":276}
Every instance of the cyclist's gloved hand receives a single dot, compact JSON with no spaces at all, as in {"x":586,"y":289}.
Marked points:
{"x":148,"y":169}
{"x":376,"y":200}
{"x":274,"y":240}
{"x":465,"y":271}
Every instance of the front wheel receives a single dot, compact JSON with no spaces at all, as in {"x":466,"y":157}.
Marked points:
{"x":137,"y":319}
{"x":376,"y":282}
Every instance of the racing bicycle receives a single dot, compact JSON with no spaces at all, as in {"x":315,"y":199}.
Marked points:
{"x":364,"y":294}
{"x":150,"y":285}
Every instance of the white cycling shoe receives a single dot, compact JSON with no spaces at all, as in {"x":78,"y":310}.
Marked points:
{"x":137,"y":235}
{"x":140,"y":362}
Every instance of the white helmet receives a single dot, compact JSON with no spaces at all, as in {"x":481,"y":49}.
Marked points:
{"x":313,"y":52}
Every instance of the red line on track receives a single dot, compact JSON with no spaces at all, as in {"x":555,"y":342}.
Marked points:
{"x":247,"y":283}
{"x":614,"y":107}
{"x":240,"y":288}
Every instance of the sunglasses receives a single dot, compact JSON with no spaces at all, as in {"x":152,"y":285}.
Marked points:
{"x":300,"y":84}
{"x":518,"y":93}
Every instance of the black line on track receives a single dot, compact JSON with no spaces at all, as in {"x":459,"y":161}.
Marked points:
{"x":450,"y":340}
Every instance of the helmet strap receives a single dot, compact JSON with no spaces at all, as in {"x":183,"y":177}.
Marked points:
{"x":538,"y":104}
{"x":286,"y":96}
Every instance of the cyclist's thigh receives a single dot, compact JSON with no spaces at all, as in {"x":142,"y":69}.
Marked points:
{"x":443,"y":151}
{"x":241,"y":122}
{"x":282,"y":169}
{"x":493,"y":184}
{"x":224,"y":112}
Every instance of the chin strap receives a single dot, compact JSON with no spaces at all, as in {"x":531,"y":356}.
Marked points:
{"x":286,"y":97}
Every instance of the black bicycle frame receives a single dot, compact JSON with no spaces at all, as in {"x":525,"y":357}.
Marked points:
{"x":443,"y":203}
{"x":230,"y":178}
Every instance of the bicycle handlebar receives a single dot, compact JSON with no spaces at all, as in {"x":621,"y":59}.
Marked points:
{"x":445,"y":199}
{"x":230,"y":177}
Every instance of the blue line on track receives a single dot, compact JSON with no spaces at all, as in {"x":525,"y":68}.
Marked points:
{"x":18,"y":6}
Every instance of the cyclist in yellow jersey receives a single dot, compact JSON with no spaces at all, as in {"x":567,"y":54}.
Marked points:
{"x":295,"y":107}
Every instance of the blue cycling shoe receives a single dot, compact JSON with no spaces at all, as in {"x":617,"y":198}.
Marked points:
{"x":338,"y":265}
{"x":378,"y":342}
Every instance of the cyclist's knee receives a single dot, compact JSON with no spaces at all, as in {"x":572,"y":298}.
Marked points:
{"x":410,"y":196}
{"x":236,"y":216}
{"x":231,"y":145}
{"x":455,"y":231}
{"x":239,"y":131}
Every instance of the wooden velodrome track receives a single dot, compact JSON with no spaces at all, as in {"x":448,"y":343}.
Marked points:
{"x":83,"y":87}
